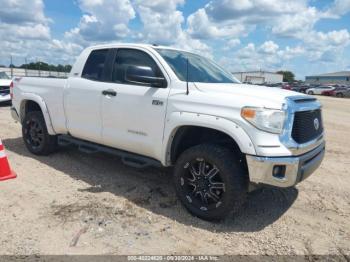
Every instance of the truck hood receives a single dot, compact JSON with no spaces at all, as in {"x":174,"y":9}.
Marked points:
{"x":263,"y":95}
{"x":5,"y":82}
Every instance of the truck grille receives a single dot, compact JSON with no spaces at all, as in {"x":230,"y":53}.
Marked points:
{"x":307,"y":126}
{"x":4,"y":90}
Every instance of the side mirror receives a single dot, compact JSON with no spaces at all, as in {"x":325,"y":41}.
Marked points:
{"x":143,"y":75}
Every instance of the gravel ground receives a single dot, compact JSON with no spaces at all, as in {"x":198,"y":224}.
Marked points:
{"x":75,"y":203}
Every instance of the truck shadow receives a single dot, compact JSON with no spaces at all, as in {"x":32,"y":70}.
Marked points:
{"x":152,"y":189}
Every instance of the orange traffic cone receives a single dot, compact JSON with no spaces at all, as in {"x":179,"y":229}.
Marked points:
{"x":5,"y":170}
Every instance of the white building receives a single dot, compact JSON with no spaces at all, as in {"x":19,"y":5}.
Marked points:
{"x":259,"y":77}
{"x":340,"y":78}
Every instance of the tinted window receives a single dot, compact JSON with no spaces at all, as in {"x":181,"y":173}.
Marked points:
{"x":200,"y":69}
{"x":132,"y":57}
{"x":95,"y":65}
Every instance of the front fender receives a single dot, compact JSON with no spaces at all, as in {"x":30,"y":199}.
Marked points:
{"x":40,"y":101}
{"x":178,"y":119}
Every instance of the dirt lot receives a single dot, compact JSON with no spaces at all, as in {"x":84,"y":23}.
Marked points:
{"x":122,"y":210}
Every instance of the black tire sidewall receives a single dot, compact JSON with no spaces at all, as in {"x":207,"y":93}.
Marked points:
{"x":231,"y":173}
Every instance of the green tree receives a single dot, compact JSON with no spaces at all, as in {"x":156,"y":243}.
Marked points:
{"x":288,"y":76}
{"x":47,"y":67}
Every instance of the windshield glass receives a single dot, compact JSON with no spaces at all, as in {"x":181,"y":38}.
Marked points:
{"x":200,"y":69}
{"x":3,"y":75}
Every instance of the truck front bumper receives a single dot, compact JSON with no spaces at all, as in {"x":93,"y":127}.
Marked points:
{"x":284,"y":171}
{"x":5,"y":98}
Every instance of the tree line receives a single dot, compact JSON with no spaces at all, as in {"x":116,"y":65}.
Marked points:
{"x":288,"y":76}
{"x":45,"y":67}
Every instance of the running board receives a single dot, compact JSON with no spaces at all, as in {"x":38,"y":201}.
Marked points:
{"x":129,"y":159}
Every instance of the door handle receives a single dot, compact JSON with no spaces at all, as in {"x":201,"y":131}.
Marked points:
{"x":109,"y":92}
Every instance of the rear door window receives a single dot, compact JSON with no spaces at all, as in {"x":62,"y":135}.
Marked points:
{"x":95,"y":65}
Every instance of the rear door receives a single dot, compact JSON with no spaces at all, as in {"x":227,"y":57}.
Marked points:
{"x":133,"y":120}
{"x":82,"y":98}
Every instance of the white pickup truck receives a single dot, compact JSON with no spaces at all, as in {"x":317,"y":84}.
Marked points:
{"x":152,"y":104}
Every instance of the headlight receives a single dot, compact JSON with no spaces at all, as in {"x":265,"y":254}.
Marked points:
{"x":269,"y":120}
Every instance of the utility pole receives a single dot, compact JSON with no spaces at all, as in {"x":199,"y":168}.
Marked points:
{"x":39,"y":69}
{"x":11,"y":67}
{"x":26,"y":66}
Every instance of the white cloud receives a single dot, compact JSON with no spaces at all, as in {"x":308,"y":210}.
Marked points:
{"x":22,"y":12}
{"x":199,"y":26}
{"x":103,"y":20}
{"x":296,"y":25}
{"x":339,"y":8}
{"x":162,"y":24}
{"x":161,"y":27}
{"x":269,"y":47}
{"x":267,"y":56}
{"x":24,"y":29}
{"x":251,"y":10}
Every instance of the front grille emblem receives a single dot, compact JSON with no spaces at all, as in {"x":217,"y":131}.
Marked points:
{"x":316,"y":123}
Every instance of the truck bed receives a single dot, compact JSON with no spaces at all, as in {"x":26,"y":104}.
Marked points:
{"x":51,"y":91}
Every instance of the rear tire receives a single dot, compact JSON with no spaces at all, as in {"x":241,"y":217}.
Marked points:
{"x":35,"y":135}
{"x":208,"y":196}
{"x":310,"y":93}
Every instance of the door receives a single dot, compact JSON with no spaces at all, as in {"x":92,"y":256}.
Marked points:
{"x":133,"y":120}
{"x":83,"y":96}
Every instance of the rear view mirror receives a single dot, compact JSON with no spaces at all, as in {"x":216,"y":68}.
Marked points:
{"x":144,"y":75}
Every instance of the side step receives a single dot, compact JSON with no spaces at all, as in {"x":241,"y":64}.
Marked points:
{"x":129,"y":159}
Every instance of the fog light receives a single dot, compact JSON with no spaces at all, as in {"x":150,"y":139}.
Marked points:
{"x":279,"y":171}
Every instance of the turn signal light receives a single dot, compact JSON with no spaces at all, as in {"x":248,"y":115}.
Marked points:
{"x":248,"y":113}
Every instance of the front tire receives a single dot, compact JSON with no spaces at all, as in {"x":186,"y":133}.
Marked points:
{"x":310,"y":93}
{"x":210,"y":181}
{"x":35,"y":135}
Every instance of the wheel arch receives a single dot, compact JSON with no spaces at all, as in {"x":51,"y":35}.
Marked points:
{"x":194,"y":128}
{"x":32,"y":103}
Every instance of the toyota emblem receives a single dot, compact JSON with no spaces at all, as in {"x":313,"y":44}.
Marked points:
{"x":316,"y":123}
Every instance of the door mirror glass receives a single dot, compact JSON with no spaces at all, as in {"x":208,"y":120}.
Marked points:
{"x":144,"y":75}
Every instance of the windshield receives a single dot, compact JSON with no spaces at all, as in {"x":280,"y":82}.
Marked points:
{"x":3,"y":75}
{"x":200,"y":69}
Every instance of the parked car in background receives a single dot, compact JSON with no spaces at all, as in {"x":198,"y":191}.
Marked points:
{"x":332,"y":92}
{"x":287,"y":87}
{"x":318,"y":90}
{"x":276,"y":85}
{"x":5,"y":82}
{"x":341,"y":92}
{"x":300,"y":89}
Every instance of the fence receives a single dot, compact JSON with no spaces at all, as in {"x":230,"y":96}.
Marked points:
{"x":20,"y":72}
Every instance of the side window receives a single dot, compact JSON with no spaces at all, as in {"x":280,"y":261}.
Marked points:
{"x":132,"y":57}
{"x":95,"y":64}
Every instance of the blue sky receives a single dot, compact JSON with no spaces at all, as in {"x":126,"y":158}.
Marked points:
{"x":306,"y":37}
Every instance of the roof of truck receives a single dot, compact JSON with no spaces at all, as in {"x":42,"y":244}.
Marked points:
{"x":111,"y":45}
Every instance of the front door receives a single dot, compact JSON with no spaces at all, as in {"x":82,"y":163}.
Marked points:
{"x":133,"y":120}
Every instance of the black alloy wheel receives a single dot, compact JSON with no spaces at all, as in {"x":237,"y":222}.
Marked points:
{"x":203,"y":185}
{"x":210,"y":181}
{"x":35,"y":135}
